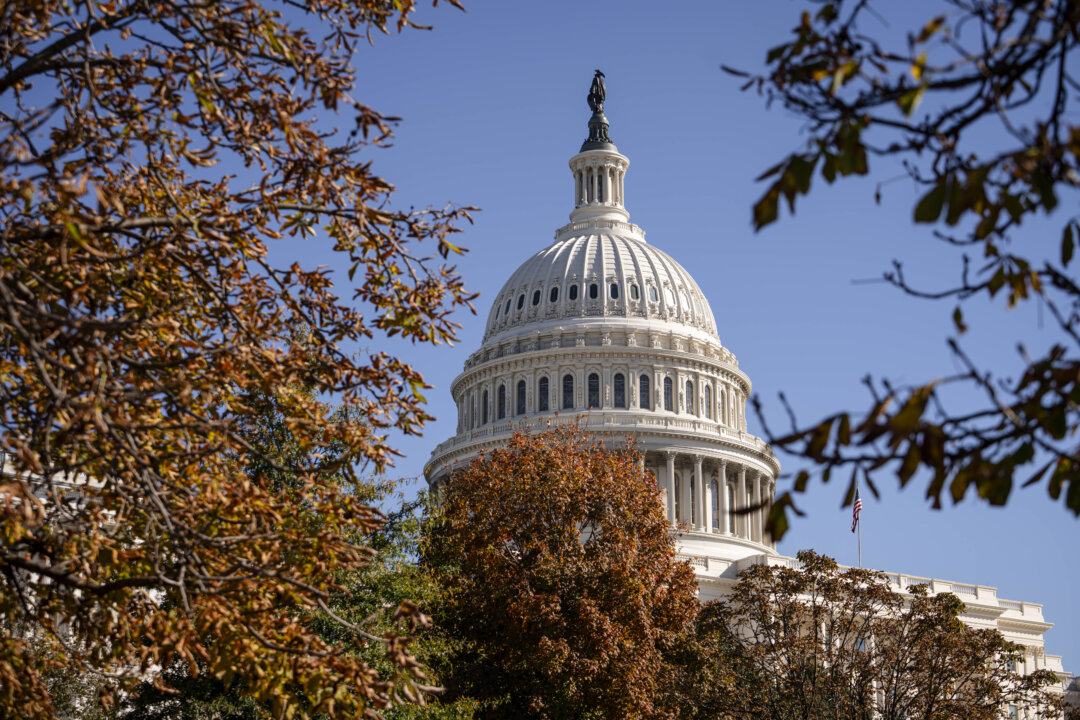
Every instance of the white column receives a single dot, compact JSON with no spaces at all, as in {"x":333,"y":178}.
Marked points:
{"x":725,"y":511}
{"x":740,"y":503}
{"x":708,"y":505}
{"x":770,"y":493}
{"x":669,"y":492}
{"x":758,"y":529}
{"x":699,"y":492}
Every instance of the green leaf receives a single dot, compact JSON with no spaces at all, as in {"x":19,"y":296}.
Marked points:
{"x":776,"y":53}
{"x":1045,"y":188}
{"x":930,"y":28}
{"x":1013,"y":205}
{"x":843,"y":433}
{"x":958,"y":320}
{"x":828,"y":168}
{"x":910,"y":464}
{"x":910,"y":100}
{"x":1067,"y":245}
{"x":767,"y":209}
{"x":996,"y":282}
{"x":773,"y":170}
{"x":929,"y":207}
{"x":819,"y":438}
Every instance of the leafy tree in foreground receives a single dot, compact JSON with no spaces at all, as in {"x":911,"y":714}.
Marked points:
{"x":141,"y":315}
{"x":370,"y":597}
{"x":558,"y":571}
{"x":820,"y":642}
{"x":980,"y":104}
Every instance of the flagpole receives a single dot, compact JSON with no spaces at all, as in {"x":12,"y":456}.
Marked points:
{"x":860,"y":543}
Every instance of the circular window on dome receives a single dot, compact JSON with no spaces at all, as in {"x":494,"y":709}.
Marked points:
{"x":521,"y":301}
{"x":634,"y":294}
{"x":614,"y":291}
{"x":536,"y":297}
{"x":652,"y":296}
{"x":554,"y":294}
{"x":573,"y":293}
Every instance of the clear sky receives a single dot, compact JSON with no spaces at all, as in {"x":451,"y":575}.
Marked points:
{"x":493,"y":105}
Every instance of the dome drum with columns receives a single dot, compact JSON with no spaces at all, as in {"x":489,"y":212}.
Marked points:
{"x":604,"y":329}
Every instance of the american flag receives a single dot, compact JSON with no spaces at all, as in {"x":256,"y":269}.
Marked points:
{"x":855,"y":510}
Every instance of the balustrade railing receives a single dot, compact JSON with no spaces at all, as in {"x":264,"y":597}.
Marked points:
{"x":636,"y":421}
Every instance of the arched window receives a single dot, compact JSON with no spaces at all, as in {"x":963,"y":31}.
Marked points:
{"x":723,"y":407}
{"x":619,"y":387}
{"x":708,"y":401}
{"x":634,"y":293}
{"x":667,"y":394}
{"x":568,"y":392}
{"x":496,"y":312}
{"x":594,"y":390}
{"x":643,"y":392}
{"x":669,"y":296}
{"x":536,"y":297}
{"x":554,"y":294}
{"x":677,"y":485}
{"x":484,"y":412}
{"x":502,"y":402}
{"x":521,"y":301}
{"x":542,"y":395}
{"x":521,"y":397}
{"x":506,"y":310}
{"x":594,"y":291}
{"x":573,"y":293}
{"x":614,"y":291}
{"x":690,"y":397}
{"x":652,"y":296}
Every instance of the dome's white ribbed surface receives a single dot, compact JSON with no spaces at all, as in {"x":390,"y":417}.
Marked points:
{"x":666,"y":294}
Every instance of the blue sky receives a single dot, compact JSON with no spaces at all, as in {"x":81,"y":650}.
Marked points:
{"x":493,"y":105}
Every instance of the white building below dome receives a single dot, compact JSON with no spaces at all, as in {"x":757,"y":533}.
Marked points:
{"x":603,"y":329}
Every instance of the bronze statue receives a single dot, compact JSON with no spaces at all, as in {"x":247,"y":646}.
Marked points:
{"x":597,"y":93}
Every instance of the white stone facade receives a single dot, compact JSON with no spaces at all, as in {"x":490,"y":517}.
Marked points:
{"x":606,"y":330}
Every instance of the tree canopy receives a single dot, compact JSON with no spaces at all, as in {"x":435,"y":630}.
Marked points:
{"x":815,"y":641}
{"x":558,"y":571}
{"x":979,"y":104}
{"x":163,"y":162}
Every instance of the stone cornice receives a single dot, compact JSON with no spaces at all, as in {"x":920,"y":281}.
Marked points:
{"x":739,"y":447}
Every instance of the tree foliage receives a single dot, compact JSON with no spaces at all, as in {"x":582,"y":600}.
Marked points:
{"x":161,"y":162}
{"x":979,"y":103}
{"x":820,"y":642}
{"x":558,"y":571}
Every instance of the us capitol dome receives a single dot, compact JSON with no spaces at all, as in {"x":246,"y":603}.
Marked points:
{"x":603,"y":328}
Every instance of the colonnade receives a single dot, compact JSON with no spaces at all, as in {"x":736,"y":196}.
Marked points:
{"x":706,"y":493}
{"x":598,"y":184}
